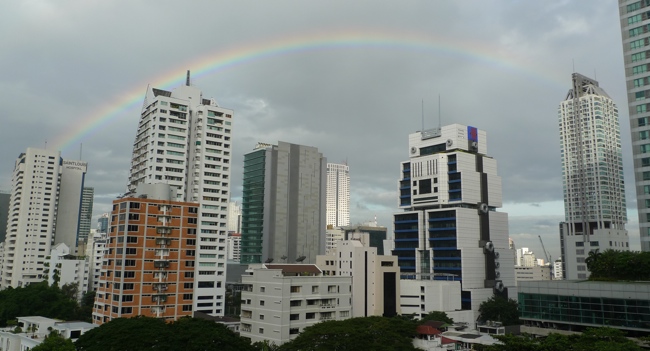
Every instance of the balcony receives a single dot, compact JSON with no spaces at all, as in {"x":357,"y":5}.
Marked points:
{"x":160,"y":286}
{"x":161,"y":241}
{"x":159,"y":298}
{"x":161,"y":264}
{"x":164,"y":230}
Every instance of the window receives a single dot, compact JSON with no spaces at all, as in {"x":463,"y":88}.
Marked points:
{"x":131,"y":239}
{"x":261,"y":317}
{"x":261,"y":302}
{"x":191,"y":220}
{"x":295,"y":303}
{"x":294,"y":317}
{"x":295,"y":289}
{"x":310,"y":315}
{"x":206,"y":284}
{"x":261,"y":330}
{"x":639,"y":69}
{"x":645,"y":148}
{"x":293,"y":331}
{"x":129,"y":274}
{"x":188,"y":285}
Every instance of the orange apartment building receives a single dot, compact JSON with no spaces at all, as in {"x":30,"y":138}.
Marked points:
{"x":148,"y":266}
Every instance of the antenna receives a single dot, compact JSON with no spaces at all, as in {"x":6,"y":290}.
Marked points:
{"x":422,"y":116}
{"x":439,"y":114}
{"x":187,"y":80}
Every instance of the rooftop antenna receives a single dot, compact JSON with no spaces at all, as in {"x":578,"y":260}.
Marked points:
{"x":439,"y":114}
{"x":422,"y":116}
{"x":187,"y":80}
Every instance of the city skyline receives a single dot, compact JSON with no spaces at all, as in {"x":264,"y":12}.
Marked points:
{"x":349,"y":85}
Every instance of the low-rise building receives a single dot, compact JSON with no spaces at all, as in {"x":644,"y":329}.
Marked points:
{"x":421,"y":296}
{"x":34,"y":329}
{"x":574,"y":305}
{"x":528,"y":273}
{"x":66,"y":268}
{"x":280,"y":300}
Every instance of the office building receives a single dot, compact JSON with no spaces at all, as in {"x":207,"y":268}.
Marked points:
{"x":592,"y":172}
{"x":151,"y":261}
{"x":419,"y":297}
{"x":338,"y":195}
{"x":44,"y":211}
{"x":280,"y":300}
{"x":575,"y":305}
{"x":375,"y":278}
{"x":283,"y":204}
{"x":183,"y":140}
{"x":95,"y":251}
{"x":636,"y":53}
{"x":85,"y":219}
{"x":103,"y":223}
{"x":332,"y":237}
{"x":557,"y":270}
{"x":525,"y":258}
{"x":449,"y":228}
{"x":527,"y":273}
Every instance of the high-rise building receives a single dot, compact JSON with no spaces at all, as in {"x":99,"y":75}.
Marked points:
{"x":636,"y":54}
{"x":234,"y":247}
{"x":151,"y":258}
{"x":592,"y":172}
{"x":45,"y":211}
{"x":449,"y":228}
{"x":103,"y":223}
{"x":234,"y":217}
{"x":283,"y":204}
{"x":338,"y":195}
{"x":85,"y":220}
{"x":4,"y":211}
{"x":184,"y":140}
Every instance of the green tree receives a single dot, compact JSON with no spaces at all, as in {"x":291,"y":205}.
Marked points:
{"x":36,"y":299}
{"x":500,"y":309}
{"x":55,"y":342}
{"x":594,"y":339}
{"x":364,"y":333}
{"x":436,"y":316}
{"x":145,"y":333}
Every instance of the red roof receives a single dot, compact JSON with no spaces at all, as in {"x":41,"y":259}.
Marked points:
{"x":427,"y":330}
{"x":447,"y":341}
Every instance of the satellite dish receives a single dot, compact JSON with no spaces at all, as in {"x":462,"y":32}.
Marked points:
{"x":499,"y":286}
{"x":268,"y":260}
{"x":301,"y":258}
{"x":497,"y":255}
{"x":489,"y":246}
{"x":483,"y":208}
{"x":497,"y":264}
{"x":497,"y":274}
{"x":450,"y":142}
{"x":414,"y":150}
{"x":284,"y":258}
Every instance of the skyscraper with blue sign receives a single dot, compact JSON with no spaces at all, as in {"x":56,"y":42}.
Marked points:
{"x":449,"y":228}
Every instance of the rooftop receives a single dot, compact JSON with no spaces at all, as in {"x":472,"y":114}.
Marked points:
{"x":295,"y":269}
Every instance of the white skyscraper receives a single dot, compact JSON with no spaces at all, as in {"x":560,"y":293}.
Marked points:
{"x":45,"y":211}
{"x":592,"y":172}
{"x":450,"y":228}
{"x":234,"y":217}
{"x":338,"y":195}
{"x":184,"y":140}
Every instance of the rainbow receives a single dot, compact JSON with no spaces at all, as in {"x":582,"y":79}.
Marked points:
{"x":224,"y":59}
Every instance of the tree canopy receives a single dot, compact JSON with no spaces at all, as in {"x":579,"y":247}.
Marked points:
{"x":618,"y":265}
{"x":593,"y":339}
{"x":38,"y":299}
{"x":500,"y":309}
{"x":436,"y":316}
{"x":55,"y":342}
{"x":364,"y":333}
{"x":145,"y":333}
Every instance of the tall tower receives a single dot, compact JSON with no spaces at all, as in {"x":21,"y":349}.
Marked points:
{"x":184,"y":140}
{"x":338,"y":195}
{"x":42,"y":184}
{"x":283,"y":205}
{"x":592,"y":172}
{"x":449,"y":228}
{"x":86,"y":214}
{"x":636,"y":52}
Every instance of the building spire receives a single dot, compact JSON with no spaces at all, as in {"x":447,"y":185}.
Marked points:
{"x":187,"y":80}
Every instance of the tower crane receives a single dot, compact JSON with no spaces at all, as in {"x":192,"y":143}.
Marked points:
{"x":548,"y":258}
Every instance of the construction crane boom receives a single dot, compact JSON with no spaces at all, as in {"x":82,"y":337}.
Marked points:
{"x":548,"y":258}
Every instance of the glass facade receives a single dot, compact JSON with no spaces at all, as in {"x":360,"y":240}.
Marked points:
{"x":571,"y":310}
{"x":253,"y":207}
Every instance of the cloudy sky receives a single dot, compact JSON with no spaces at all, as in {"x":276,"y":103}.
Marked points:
{"x":346,"y":77}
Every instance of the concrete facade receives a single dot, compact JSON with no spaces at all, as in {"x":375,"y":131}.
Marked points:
{"x":69,"y":269}
{"x":279,"y":301}
{"x":449,"y":228}
{"x":338,"y":195}
{"x":283,"y":205}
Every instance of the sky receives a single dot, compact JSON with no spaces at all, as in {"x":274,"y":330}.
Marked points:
{"x":348,"y":77}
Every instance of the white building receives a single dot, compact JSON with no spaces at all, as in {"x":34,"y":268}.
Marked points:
{"x":634,"y":25}
{"x":332,"y":237}
{"x":184,"y":140}
{"x":557,"y":270}
{"x":234,"y":217}
{"x":449,"y":228}
{"x":419,"y":297}
{"x":523,"y":273}
{"x":234,"y":247}
{"x":525,"y":258}
{"x":280,"y":300}
{"x":95,"y":251}
{"x":338,"y":195}
{"x":42,"y":184}
{"x":375,"y":278}
{"x":85,"y":218}
{"x":592,"y":171}
{"x":35,"y":329}
{"x":69,"y":269}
